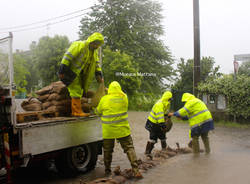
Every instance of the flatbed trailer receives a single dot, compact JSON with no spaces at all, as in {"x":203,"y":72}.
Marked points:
{"x":72,"y":142}
{"x":57,"y":133}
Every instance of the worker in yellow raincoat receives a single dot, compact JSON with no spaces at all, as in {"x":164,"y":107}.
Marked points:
{"x":113,"y":109}
{"x":78,"y":66}
{"x":200,"y":120}
{"x":158,"y":124}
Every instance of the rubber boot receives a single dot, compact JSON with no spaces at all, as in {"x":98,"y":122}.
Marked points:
{"x":163,"y":145}
{"x":149,"y":148}
{"x":76,"y":108}
{"x":190,"y":144}
{"x":195,"y":145}
{"x":133,"y":161}
{"x":107,"y":162}
{"x":205,"y":140}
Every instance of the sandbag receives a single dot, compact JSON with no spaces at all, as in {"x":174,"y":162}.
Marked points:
{"x":65,"y":102}
{"x":98,"y":95}
{"x":86,"y":107}
{"x":30,"y":100}
{"x":84,"y":100}
{"x":59,"y":88}
{"x":31,"y":104}
{"x":55,"y":96}
{"x":43,"y":98}
{"x":169,"y":124}
{"x":45,"y":90}
{"x":89,"y":94}
{"x":46,"y":105}
{"x":32,"y":107}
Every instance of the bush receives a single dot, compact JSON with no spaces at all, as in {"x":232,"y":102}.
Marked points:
{"x":142,"y":102}
{"x":236,"y":91}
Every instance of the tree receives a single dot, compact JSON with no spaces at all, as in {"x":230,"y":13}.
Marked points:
{"x":20,"y":73}
{"x":133,"y":27}
{"x":47,"y":55}
{"x":32,"y":77}
{"x":118,"y":66}
{"x":184,"y":81}
{"x":244,"y":68}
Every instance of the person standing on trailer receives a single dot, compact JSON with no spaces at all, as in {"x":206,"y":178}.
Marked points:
{"x":78,"y":66}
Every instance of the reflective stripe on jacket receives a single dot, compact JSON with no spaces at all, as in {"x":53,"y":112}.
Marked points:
{"x":113,"y":111}
{"x":157,"y":113}
{"x":161,"y":108}
{"x":195,"y":110}
{"x":80,"y":58}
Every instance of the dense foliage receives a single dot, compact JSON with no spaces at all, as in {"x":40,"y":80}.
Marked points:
{"x":142,"y":101}
{"x":20,"y":73}
{"x":47,"y":55}
{"x":236,"y":91}
{"x":32,"y":75}
{"x":114,"y":63}
{"x":38,"y":67}
{"x":244,"y":68}
{"x":133,"y":27}
{"x":184,"y":81}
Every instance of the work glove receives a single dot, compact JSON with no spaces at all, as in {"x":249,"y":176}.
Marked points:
{"x":61,"y":76}
{"x":66,"y":75}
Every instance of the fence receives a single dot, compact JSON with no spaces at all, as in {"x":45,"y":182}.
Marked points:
{"x":6,"y":62}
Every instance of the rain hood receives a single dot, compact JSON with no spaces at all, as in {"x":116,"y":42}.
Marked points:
{"x":95,"y":36}
{"x":166,"y":96}
{"x":186,"y":97}
{"x":115,"y":88}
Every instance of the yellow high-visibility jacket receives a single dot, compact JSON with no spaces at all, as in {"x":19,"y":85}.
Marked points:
{"x":80,"y":58}
{"x":195,"y":110}
{"x":113,"y":109}
{"x":160,"y":108}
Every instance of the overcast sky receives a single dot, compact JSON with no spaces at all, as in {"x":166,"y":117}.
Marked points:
{"x":224,"y":25}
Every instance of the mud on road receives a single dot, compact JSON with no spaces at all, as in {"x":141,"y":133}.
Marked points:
{"x":229,"y":161}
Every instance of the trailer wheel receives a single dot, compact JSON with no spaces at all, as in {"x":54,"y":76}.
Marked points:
{"x":80,"y":159}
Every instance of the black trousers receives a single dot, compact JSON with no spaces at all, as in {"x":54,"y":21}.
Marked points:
{"x":155,"y":131}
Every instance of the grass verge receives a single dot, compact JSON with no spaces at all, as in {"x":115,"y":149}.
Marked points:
{"x":218,"y":123}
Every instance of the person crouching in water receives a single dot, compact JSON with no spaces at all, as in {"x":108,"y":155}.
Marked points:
{"x":156,"y":123}
{"x":113,"y":109}
{"x":200,"y":120}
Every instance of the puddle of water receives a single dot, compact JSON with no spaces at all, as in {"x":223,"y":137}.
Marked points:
{"x":228,"y":163}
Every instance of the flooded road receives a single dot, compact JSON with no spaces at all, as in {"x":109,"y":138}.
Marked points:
{"x":229,"y":161}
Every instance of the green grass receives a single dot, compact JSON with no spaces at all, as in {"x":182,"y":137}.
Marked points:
{"x":218,"y":123}
{"x":231,"y":124}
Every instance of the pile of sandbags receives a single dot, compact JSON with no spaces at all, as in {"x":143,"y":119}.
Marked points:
{"x":55,"y":97}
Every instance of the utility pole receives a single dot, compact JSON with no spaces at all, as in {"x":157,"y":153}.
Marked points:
{"x":48,"y":28}
{"x":196,"y":68}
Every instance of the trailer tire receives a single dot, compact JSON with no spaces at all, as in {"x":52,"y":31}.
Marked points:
{"x":76,"y":160}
